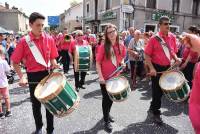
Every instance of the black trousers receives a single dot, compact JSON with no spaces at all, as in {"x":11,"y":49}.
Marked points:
{"x":58,"y":59}
{"x":65,"y":60}
{"x":156,"y":90}
{"x":106,"y":103}
{"x":36,"y":105}
{"x":79,"y":82}
{"x":188,"y":73}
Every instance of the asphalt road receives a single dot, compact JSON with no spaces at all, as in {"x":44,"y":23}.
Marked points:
{"x":130,"y":115}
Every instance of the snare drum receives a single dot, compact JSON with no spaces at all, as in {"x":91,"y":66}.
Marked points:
{"x":83,"y":58}
{"x":118,"y":88}
{"x":174,"y":86}
{"x":57,"y":95}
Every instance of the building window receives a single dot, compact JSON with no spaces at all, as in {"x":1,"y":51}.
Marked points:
{"x":174,"y":29}
{"x":175,"y":5}
{"x":150,"y":27}
{"x":195,"y":7}
{"x":151,"y":4}
{"x":88,"y":8}
{"x":108,"y":4}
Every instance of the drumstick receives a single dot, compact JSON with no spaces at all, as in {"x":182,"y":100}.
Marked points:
{"x":35,"y":82}
{"x":48,"y":76}
{"x":32,"y":82}
{"x":118,"y":69}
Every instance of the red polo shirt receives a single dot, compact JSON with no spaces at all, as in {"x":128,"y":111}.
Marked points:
{"x":155,"y":50}
{"x":46,"y":46}
{"x":107,"y":67}
{"x":74,"y":43}
{"x":194,"y":55}
{"x":97,"y":48}
{"x":194,"y":95}
{"x":194,"y":102}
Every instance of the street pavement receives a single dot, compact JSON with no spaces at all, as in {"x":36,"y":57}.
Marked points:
{"x":130,"y":115}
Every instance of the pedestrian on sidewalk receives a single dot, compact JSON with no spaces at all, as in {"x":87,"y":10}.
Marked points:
{"x":4,"y":92}
{"x":136,"y":57}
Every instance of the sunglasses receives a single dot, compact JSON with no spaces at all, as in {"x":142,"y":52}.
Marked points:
{"x":166,"y":24}
{"x":111,"y":32}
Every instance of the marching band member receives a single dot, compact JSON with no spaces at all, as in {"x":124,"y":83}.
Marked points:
{"x":40,"y":45}
{"x":109,"y":57}
{"x":78,"y":41}
{"x":64,"y":45}
{"x":190,"y":58}
{"x":159,"y":53}
{"x":194,"y":102}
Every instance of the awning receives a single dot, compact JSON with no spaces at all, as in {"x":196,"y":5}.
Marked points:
{"x":3,"y":31}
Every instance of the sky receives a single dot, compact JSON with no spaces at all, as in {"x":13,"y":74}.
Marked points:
{"x":45,"y":7}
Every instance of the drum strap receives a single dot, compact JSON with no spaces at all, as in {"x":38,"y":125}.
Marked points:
{"x":36,"y":52}
{"x":165,"y":46}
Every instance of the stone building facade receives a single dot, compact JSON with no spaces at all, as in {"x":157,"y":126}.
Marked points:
{"x":13,"y":19}
{"x":72,"y":18}
{"x":142,"y":14}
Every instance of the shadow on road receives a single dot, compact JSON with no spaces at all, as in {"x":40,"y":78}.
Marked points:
{"x":145,"y":88}
{"x":18,"y":103}
{"x":88,"y":82}
{"x":18,"y":91}
{"x":147,"y":127}
{"x":99,"y":126}
{"x":94,"y":94}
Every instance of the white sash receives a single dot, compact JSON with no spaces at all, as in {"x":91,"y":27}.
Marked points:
{"x":36,"y":52}
{"x":165,"y":48}
{"x":113,"y":57}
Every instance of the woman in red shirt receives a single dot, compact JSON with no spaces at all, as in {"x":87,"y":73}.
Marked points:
{"x":194,"y":103}
{"x":190,"y":58}
{"x":109,"y":57}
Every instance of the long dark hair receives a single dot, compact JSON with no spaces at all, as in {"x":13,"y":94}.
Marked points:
{"x":107,"y":42}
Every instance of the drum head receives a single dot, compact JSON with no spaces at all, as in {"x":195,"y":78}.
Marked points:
{"x":171,"y":80}
{"x":116,"y":85}
{"x":50,"y":86}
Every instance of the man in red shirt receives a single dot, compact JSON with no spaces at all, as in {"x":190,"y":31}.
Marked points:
{"x":37,"y":69}
{"x":157,"y":61}
{"x":64,"y":44}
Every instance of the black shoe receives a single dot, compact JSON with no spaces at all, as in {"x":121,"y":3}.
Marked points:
{"x":50,"y":133}
{"x":2,"y":116}
{"x":8,"y":114}
{"x":39,"y":131}
{"x":65,"y":72}
{"x":111,"y":119}
{"x":157,"y":119}
{"x":108,"y":127}
{"x":82,"y":87}
{"x":77,"y":89}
